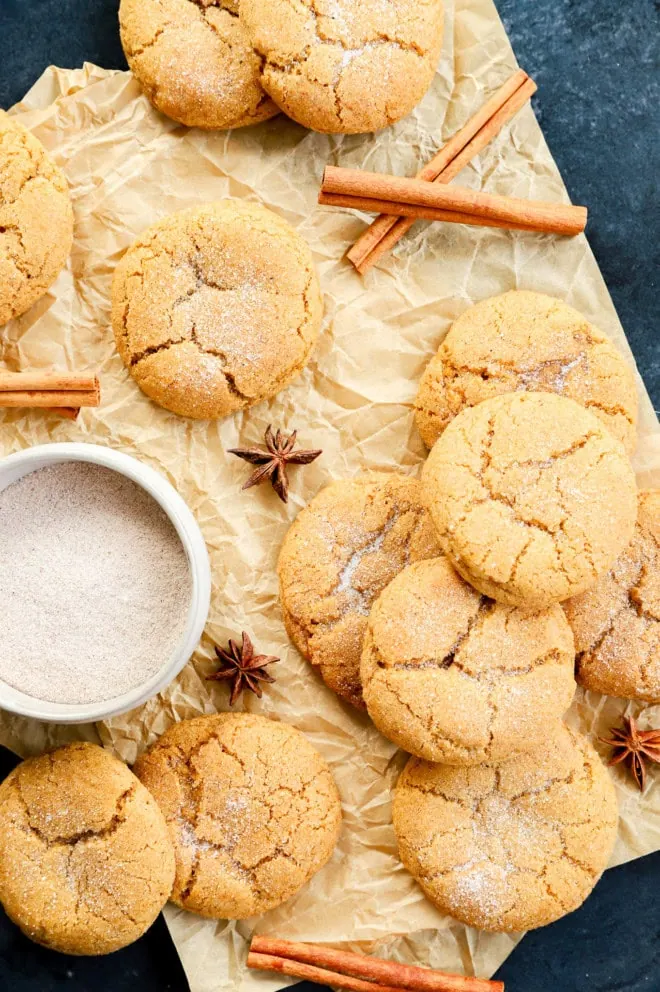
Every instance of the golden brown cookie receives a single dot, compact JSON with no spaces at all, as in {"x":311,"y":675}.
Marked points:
{"x":86,"y":864}
{"x":252,"y":808}
{"x":617,"y":622}
{"x":194,"y":61}
{"x":526,"y":341}
{"x":216,"y":308}
{"x":454,"y":677}
{"x":508,"y":846}
{"x":341,"y":66}
{"x":533,"y":499}
{"x":342,"y":550}
{"x":36,"y":219}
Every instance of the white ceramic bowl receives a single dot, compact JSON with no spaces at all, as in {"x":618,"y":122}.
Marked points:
{"x":23,"y":462}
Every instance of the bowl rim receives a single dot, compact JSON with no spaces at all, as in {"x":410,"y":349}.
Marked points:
{"x":190,"y":535}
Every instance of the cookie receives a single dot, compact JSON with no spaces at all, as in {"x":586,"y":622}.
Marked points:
{"x":36,"y":219}
{"x":194,"y":61}
{"x":216,"y":308}
{"x":508,"y":846}
{"x":617,"y":622}
{"x":86,"y":864}
{"x":345,"y":67}
{"x":526,"y":341}
{"x":532,"y":498}
{"x":341,"y":551}
{"x":451,"y":676}
{"x":252,"y":808}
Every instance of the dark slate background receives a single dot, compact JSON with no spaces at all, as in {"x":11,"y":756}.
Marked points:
{"x":596,"y":63}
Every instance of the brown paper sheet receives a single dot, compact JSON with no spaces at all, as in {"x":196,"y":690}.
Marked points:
{"x":129,"y":166}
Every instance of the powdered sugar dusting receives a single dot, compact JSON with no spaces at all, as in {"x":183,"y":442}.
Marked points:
{"x":552,"y":375}
{"x":358,"y":600}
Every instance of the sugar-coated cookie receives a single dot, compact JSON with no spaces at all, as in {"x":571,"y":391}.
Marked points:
{"x":617,"y":622}
{"x":36,"y":219}
{"x":451,"y":676}
{"x":86,"y":863}
{"x":533,"y":499}
{"x":216,"y":308}
{"x":508,"y":846}
{"x":341,"y":551}
{"x":194,"y":61}
{"x":252,"y":808}
{"x":342,"y":66}
{"x":526,"y":341}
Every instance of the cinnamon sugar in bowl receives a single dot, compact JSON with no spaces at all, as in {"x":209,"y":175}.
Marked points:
{"x":105,"y":584}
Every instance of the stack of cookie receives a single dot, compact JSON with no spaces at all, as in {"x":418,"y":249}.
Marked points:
{"x":331,"y":65}
{"x":436,"y":605}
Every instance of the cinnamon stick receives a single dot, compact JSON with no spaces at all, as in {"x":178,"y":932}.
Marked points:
{"x":410,"y":212}
{"x":33,"y":398}
{"x":385,"y":231}
{"x":49,"y":390}
{"x":356,"y":972}
{"x":550,"y":218}
{"x":47,"y":381}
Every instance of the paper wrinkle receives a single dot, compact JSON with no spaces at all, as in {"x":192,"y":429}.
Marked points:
{"x":128,"y":166}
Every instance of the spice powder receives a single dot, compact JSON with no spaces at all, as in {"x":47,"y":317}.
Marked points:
{"x":95,"y":584}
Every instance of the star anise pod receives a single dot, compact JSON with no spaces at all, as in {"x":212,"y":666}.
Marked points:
{"x":634,"y":746}
{"x":273,"y":460}
{"x":245,"y":668}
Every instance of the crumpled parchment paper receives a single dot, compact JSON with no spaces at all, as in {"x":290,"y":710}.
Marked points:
{"x":128,"y":166}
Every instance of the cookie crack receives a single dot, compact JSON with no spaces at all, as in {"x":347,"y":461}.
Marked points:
{"x":604,"y":634}
{"x":70,"y":840}
{"x":556,"y":456}
{"x":611,"y":409}
{"x":205,"y":7}
{"x":484,"y":607}
{"x":543,"y":787}
{"x":433,"y":790}
{"x":429,"y":725}
{"x":136,"y":52}
{"x":229,"y":377}
{"x":154,"y":349}
{"x":118,"y":905}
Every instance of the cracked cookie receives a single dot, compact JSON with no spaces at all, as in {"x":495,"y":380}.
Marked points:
{"x":252,"y":808}
{"x":216,"y":308}
{"x":451,"y":676}
{"x":340,"y":553}
{"x":532,"y":498}
{"x":508,"y":846}
{"x":617,"y":622}
{"x":36,"y":220}
{"x":526,"y":341}
{"x":86,"y":864}
{"x":194,"y":61}
{"x":343,"y":67}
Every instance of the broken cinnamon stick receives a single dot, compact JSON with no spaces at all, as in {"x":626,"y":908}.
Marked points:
{"x":381,"y":236}
{"x":356,"y":972}
{"x":395,"y":191}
